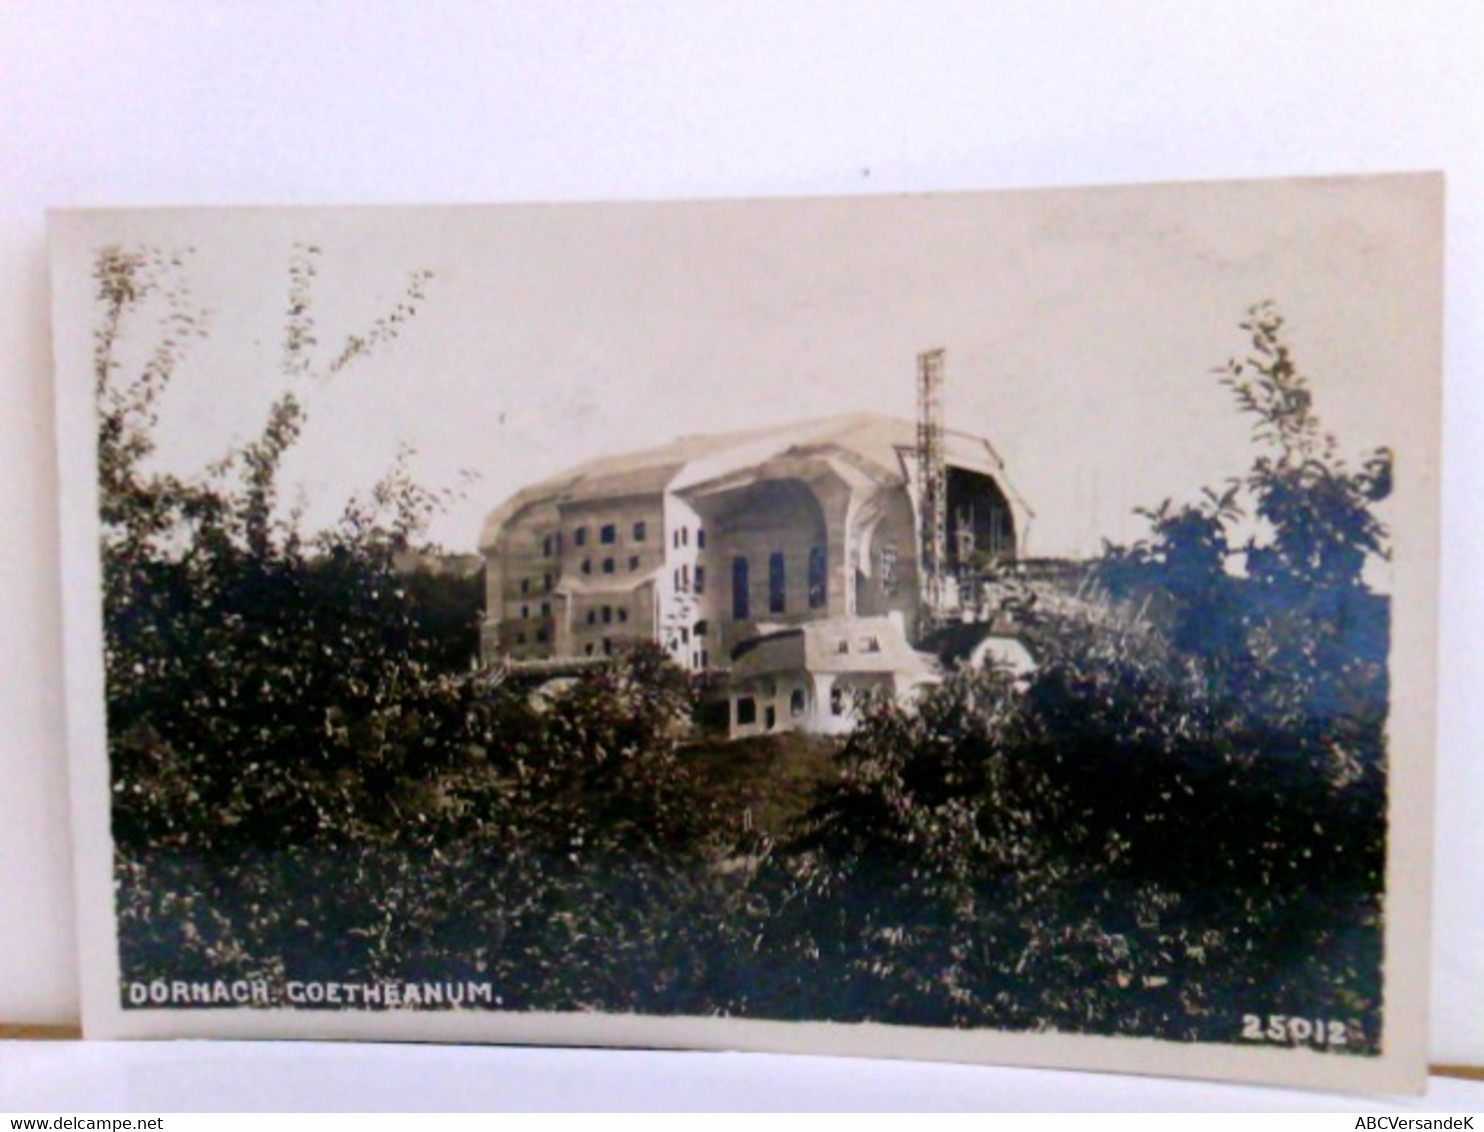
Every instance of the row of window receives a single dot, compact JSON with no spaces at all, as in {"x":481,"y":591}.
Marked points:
{"x":551,"y":545}
{"x":777,"y":583}
{"x":607,"y":612}
{"x":684,"y":633}
{"x":797,"y":706}
{"x":683,"y":578}
{"x":547,"y":582}
{"x":609,"y":565}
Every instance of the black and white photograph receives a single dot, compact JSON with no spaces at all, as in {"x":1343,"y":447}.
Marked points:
{"x":973,"y":626}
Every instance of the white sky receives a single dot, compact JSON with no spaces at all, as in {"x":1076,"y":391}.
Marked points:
{"x":1081,"y":327}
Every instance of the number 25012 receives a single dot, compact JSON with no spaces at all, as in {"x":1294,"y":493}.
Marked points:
{"x":1292,"y":1030}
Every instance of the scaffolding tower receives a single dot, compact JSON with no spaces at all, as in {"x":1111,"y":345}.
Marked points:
{"x":932,"y":485}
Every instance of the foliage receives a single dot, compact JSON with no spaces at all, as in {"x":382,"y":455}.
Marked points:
{"x":262,"y":686}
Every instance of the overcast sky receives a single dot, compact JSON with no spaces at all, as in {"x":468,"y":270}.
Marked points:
{"x":1081,"y":330}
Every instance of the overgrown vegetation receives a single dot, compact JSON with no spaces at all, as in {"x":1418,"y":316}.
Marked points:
{"x":1178,"y":820}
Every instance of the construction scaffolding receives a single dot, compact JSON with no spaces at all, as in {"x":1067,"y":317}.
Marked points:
{"x":932,"y":486}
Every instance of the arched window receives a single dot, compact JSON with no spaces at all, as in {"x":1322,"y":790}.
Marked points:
{"x":817,"y":583}
{"x":740,"y":607}
{"x":777,"y":583}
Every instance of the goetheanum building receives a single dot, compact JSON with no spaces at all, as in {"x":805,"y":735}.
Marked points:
{"x":712,"y":544}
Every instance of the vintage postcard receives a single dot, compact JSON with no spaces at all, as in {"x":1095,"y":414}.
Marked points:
{"x":989,"y":627}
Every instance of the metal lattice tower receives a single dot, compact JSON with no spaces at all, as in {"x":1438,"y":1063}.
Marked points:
{"x":932,"y":480}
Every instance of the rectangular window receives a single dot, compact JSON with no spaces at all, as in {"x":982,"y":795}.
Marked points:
{"x":592,"y":616}
{"x":685,"y":577}
{"x":700,"y":579}
{"x":546,"y":609}
{"x":587,"y":565}
{"x":633,"y":562}
{"x":746,"y":711}
{"x":700,"y":538}
{"x":608,"y":534}
{"x":579,"y":536}
{"x":547,"y":581}
{"x":740,"y":604}
{"x":777,"y":583}
{"x":607,"y":565}
{"x":607,"y":614}
{"x":540,"y":636}
{"x":525,"y":586}
{"x":640,"y":531}
{"x":546,"y":547}
{"x":623,"y":614}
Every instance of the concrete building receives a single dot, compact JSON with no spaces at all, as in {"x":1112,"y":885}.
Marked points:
{"x":814,"y":677}
{"x":711,"y":542}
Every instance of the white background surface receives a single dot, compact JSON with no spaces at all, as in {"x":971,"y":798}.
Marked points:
{"x":218,"y":103}
{"x":143,"y":1077}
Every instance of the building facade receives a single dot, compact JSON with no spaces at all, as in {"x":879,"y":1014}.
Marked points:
{"x":709,"y":543}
